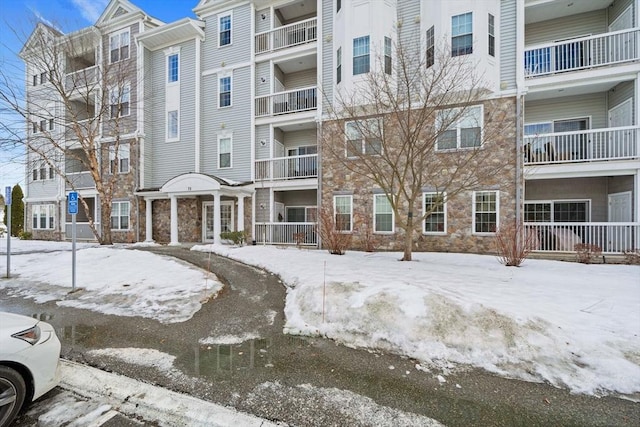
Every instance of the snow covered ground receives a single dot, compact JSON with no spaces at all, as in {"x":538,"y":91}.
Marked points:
{"x":572,"y":325}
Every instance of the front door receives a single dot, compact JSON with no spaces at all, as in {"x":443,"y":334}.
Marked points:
{"x":621,"y":141}
{"x":620,"y":237}
{"x":226,"y":219}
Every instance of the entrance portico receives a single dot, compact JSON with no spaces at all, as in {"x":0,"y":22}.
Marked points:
{"x":209,"y":191}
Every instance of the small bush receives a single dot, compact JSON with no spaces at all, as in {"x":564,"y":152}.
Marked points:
{"x":632,"y":256}
{"x":514,"y":243}
{"x":587,"y":253}
{"x":25,"y":235}
{"x":237,"y":237}
{"x":334,"y":240}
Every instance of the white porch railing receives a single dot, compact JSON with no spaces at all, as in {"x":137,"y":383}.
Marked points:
{"x":81,"y":79}
{"x":305,"y":166}
{"x":286,"y":233}
{"x":611,"y":237}
{"x":86,"y":127}
{"x":584,"y":52}
{"x":583,"y":146}
{"x":291,"y":101}
{"x":287,"y":36}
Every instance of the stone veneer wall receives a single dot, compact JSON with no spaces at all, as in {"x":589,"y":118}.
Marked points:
{"x":459,"y":237}
{"x":189,"y":220}
{"x":57,"y":234}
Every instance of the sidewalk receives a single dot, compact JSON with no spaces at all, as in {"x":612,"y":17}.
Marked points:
{"x":151,"y":403}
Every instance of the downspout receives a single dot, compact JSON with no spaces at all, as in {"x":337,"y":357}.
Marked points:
{"x":198,"y":76}
{"x":320,"y":107}
{"x":520,"y":89}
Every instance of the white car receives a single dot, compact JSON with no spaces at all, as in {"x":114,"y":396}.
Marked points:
{"x":29,"y":355}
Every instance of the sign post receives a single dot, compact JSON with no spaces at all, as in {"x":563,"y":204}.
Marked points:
{"x":7,"y":202}
{"x":72,"y":207}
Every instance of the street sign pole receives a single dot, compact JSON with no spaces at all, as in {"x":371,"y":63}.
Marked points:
{"x":7,"y":200}
{"x":72,"y":207}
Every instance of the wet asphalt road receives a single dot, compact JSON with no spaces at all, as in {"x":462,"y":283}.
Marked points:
{"x":264,"y":376}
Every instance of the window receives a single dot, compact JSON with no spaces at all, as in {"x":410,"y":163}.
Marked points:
{"x":120,"y":216}
{"x":173,"y":125}
{"x":460,"y":128}
{"x":383,"y":220}
{"x":119,"y":100}
{"x":225,"y":30}
{"x":343,"y":211}
{"x":43,"y":78}
{"x":387,"y":55}
{"x":173,"y":62}
{"x":492,"y":36}
{"x":121,"y":164}
{"x":557,"y":211}
{"x":224,"y":153}
{"x":43,"y":217}
{"x":119,"y":46}
{"x":51,"y":125}
{"x":339,"y":65}
{"x":338,"y":5}
{"x":35,"y":80}
{"x":361,"y":55}
{"x":41,"y":171}
{"x":364,"y":137}
{"x":431,"y":47}
{"x":225,"y":92}
{"x":485,"y":211}
{"x":436,"y":222}
{"x":462,"y":34}
{"x":301,"y":213}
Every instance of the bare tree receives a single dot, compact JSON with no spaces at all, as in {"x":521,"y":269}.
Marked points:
{"x":425,"y":121}
{"x":71,"y":119}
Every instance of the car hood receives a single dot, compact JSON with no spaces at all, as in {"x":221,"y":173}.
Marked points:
{"x":12,"y":323}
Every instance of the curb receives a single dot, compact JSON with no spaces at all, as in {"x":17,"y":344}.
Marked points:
{"x":152,"y":403}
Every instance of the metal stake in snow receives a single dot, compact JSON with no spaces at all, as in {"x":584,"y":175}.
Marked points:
{"x":7,"y":201}
{"x":72,"y":205}
{"x":324,"y":287}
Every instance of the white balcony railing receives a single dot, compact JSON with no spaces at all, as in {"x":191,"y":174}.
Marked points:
{"x":287,"y":36}
{"x":292,"y":167}
{"x":583,"y":146}
{"x":81,"y":79}
{"x":610,"y":237}
{"x":87,"y":128}
{"x":580,"y":53}
{"x":79,"y":180}
{"x":286,"y":233}
{"x":291,"y":101}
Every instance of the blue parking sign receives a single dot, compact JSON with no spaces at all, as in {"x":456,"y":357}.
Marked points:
{"x":72,"y":203}
{"x":7,"y":195}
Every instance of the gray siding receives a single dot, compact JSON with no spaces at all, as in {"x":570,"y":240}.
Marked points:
{"x":172,"y":158}
{"x":618,"y":7}
{"x":263,"y":72}
{"x":592,"y":105}
{"x":567,"y":27}
{"x":263,"y":24}
{"x":409,"y":34}
{"x":262,"y":200}
{"x":299,"y":198}
{"x":300,"y":79}
{"x":238,"y":50}
{"x":621,"y":93}
{"x":299,"y":138}
{"x":149,"y":109}
{"x":328,"y":53}
{"x":508,"y":43}
{"x":594,"y":189}
{"x":235,"y":119}
{"x":262,"y":134}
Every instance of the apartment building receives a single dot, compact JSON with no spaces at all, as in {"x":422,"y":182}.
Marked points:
{"x":225,"y":115}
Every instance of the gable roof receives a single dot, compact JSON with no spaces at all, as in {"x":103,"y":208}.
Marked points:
{"x":41,"y":31}
{"x":119,"y":12}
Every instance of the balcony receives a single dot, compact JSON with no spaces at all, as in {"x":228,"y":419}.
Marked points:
{"x":81,"y":79}
{"x":582,"y":146}
{"x":79,"y":180}
{"x":87,"y":128}
{"x":582,"y":53}
{"x":291,"y":101}
{"x":287,"y":36}
{"x":610,"y":237}
{"x":286,"y":233}
{"x":283,"y":168}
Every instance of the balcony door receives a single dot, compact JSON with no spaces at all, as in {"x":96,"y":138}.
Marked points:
{"x":620,"y":238}
{"x":621,"y":142}
{"x":623,"y":46}
{"x":226,"y":219}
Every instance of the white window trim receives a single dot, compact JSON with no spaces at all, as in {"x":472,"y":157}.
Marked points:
{"x":458,"y":128}
{"x":444,"y":209}
{"x":125,"y":88}
{"x":551,"y":202}
{"x":119,"y":34}
{"x":220,"y":16}
{"x":350,"y":196}
{"x":48,"y":208}
{"x":230,"y":138}
{"x":473,"y":214}
{"x":128,"y":216}
{"x":220,"y":77}
{"x":363,"y":139}
{"x":305,"y":207}
{"x":168,"y":126}
{"x":393,"y":216}
{"x":122,"y":149}
{"x":168,"y":54}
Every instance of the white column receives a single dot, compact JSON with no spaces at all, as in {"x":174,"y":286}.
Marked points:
{"x":174,"y":221}
{"x":149,"y":220}
{"x":217,"y":225}
{"x":240,"y":226}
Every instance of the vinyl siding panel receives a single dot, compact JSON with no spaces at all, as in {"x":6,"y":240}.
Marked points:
{"x":618,"y":7}
{"x":300,"y":198}
{"x":263,"y":24}
{"x":407,"y":11}
{"x":621,"y":93}
{"x":300,"y":138}
{"x":593,"y":105}
{"x":236,"y":120}
{"x":263,"y":72}
{"x":262,"y":134}
{"x":172,"y":158}
{"x":148,"y":129}
{"x":567,"y":27}
{"x":328,"y":54}
{"x":300,"y":79}
{"x":262,"y":200}
{"x":594,"y":189}
{"x":507,"y":40}
{"x":240,"y":48}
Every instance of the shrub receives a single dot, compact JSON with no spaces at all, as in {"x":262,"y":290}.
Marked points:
{"x":514,"y":243}
{"x":334,"y":240}
{"x":237,"y":237}
{"x":587,"y":253}
{"x":25,"y":235}
{"x":632,"y":256}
